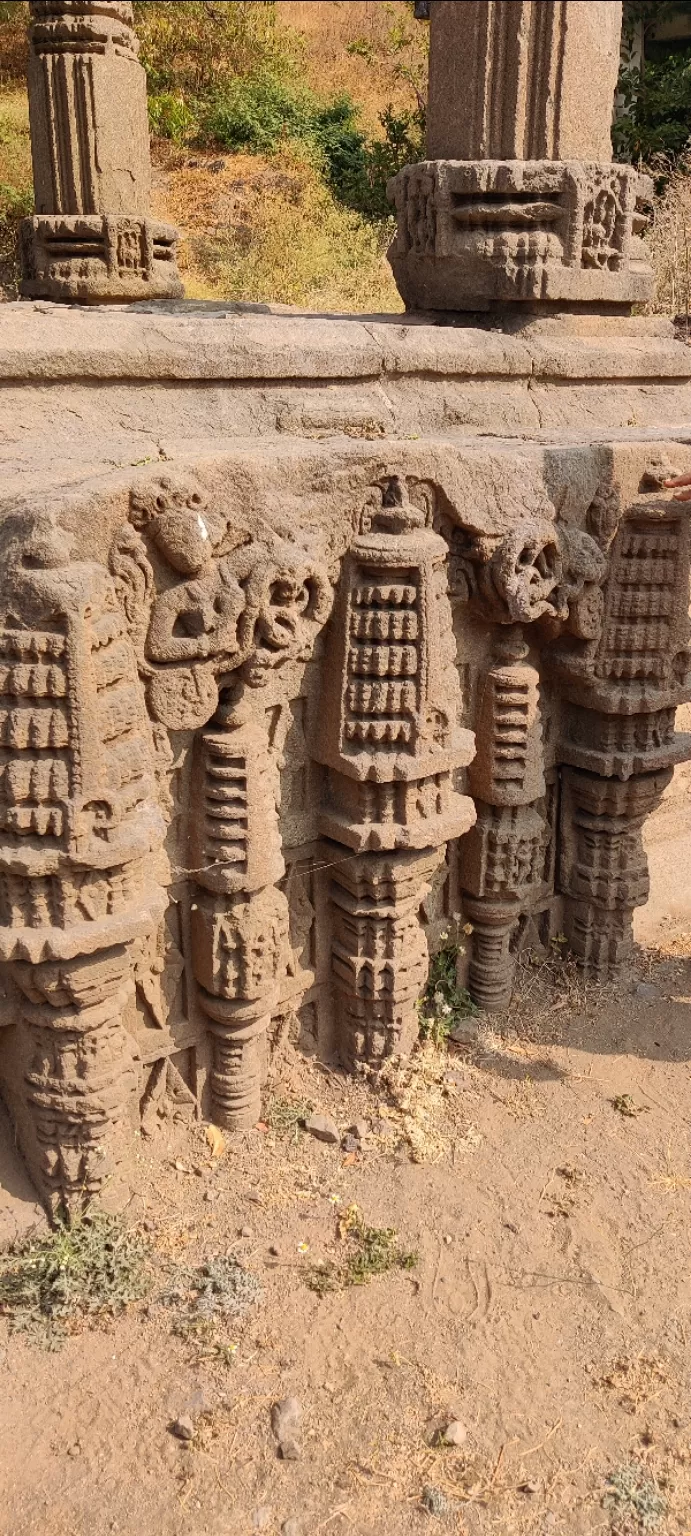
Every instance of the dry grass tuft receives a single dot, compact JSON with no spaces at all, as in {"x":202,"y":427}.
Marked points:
{"x":669,"y":243}
{"x":360,"y":50}
{"x":636,"y":1381}
{"x":16,"y":188}
{"x":414,"y":1087}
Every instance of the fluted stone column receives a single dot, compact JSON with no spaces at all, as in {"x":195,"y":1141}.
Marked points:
{"x":519,"y":201}
{"x":92,"y":239}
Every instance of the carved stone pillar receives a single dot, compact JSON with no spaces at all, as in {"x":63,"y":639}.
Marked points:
{"x":391,"y":743}
{"x":240,"y":921}
{"x":502,"y":868}
{"x":621,"y":689}
{"x":91,"y":239}
{"x":518,"y":200}
{"x":231,"y":613}
{"x":604,"y":870}
{"x":78,"y":823}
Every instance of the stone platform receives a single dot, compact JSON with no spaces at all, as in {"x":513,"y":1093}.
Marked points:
{"x":263,"y":576}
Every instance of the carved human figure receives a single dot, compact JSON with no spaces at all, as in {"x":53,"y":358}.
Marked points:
{"x":240,"y":603}
{"x":240,"y":611}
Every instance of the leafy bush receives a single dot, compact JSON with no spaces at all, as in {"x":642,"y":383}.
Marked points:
{"x":258,"y":112}
{"x":171,"y":117}
{"x":654,"y":115}
{"x":98,"y":1265}
{"x":195,"y":48}
{"x":653,"y":107}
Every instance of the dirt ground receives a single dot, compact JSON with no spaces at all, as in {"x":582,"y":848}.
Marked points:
{"x":549,"y":1309}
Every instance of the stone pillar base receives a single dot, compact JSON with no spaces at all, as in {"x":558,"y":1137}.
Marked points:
{"x":476,"y":233}
{"x":99,"y":259}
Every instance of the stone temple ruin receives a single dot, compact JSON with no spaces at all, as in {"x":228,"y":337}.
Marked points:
{"x":319,"y":633}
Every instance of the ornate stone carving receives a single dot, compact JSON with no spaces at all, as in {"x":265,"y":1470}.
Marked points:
{"x":78,"y":821}
{"x":91,"y":239}
{"x":518,"y":202}
{"x":391,"y":743}
{"x":503,"y":869}
{"x":621,"y":686}
{"x":379,"y":954}
{"x":604,"y":870}
{"x":540,"y":570}
{"x":236,"y":612}
{"x":239,"y":604}
{"x":477,"y":233}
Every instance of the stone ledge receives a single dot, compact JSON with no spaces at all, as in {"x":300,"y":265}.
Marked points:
{"x":57,"y":342}
{"x":42,"y":341}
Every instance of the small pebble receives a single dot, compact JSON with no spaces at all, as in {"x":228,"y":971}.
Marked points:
{"x":246,"y":1232}
{"x":262,"y":1518}
{"x":285,"y":1421}
{"x":255,"y":1197}
{"x":465,"y":1033}
{"x":436,"y":1502}
{"x":291,"y":1528}
{"x":183,"y":1428}
{"x":448,"y":1239}
{"x":350,"y":1143}
{"x":323,"y":1128}
{"x":648,"y":991}
{"x":360,"y":1128}
{"x":455,"y":1433}
{"x":529,"y":1488}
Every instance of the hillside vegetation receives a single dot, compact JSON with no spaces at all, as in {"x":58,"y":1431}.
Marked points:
{"x":275,"y":127}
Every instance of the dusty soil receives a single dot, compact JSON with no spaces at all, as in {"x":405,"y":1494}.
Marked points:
{"x":549,"y":1309}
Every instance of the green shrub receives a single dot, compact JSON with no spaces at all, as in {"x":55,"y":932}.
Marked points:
{"x":444,"y":1004}
{"x":258,"y":112}
{"x":654,"y":116}
{"x":171,"y":117}
{"x":402,"y":144}
{"x":196,"y":48}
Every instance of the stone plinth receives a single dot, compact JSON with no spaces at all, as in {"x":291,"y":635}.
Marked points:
{"x":518,"y":201}
{"x":476,"y":234}
{"x":92,"y":239}
{"x":321,"y":638}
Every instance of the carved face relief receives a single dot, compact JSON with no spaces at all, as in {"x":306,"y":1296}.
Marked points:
{"x":245,"y":602}
{"x":525,"y":571}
